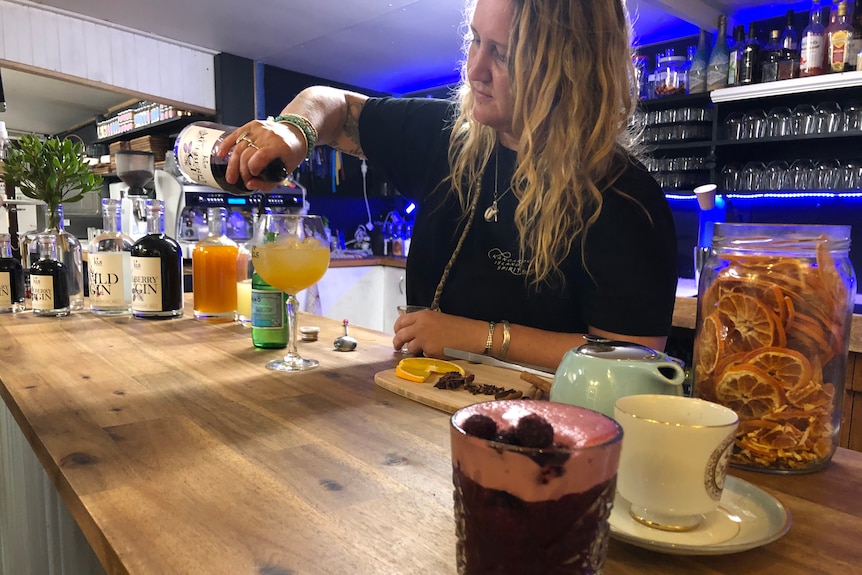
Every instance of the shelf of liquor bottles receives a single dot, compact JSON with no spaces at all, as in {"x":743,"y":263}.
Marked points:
{"x":785,"y":136}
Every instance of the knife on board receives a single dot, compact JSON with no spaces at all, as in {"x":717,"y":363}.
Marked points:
{"x":488,"y":360}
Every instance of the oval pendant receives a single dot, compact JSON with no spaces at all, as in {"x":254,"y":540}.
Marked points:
{"x":491,"y":214}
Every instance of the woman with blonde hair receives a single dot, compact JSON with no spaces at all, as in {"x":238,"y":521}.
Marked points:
{"x":535,"y":223}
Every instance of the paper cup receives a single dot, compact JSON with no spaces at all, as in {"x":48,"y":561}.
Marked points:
{"x":705,"y":195}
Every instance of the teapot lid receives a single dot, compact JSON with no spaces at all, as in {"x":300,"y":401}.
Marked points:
{"x":609,"y":349}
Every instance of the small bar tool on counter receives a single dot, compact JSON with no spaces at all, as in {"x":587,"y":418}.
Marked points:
{"x":345,"y":342}
{"x":309,"y":332}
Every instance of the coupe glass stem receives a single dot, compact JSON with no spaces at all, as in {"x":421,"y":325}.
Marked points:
{"x":292,"y":360}
{"x":292,"y":354}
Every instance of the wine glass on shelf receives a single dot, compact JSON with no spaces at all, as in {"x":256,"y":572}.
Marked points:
{"x":290,"y":253}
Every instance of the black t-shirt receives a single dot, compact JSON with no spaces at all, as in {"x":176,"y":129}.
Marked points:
{"x":631,"y":256}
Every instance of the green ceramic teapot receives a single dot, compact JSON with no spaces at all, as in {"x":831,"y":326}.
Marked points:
{"x":597,"y":373}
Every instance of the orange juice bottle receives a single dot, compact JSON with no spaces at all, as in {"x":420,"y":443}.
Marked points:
{"x":214,"y":263}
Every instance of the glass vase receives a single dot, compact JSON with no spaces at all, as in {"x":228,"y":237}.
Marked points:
{"x":68,"y":251}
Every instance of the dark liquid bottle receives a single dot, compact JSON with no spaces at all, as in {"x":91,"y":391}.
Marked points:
{"x":770,"y":57}
{"x":735,"y":53}
{"x":268,"y":320}
{"x":749,"y":61}
{"x":12,"y":290}
{"x":157,"y":270}
{"x":195,"y":149}
{"x":49,"y":288}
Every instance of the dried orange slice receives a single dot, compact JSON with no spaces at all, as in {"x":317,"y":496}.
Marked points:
{"x":749,"y":323}
{"x":811,"y":337}
{"x":419,"y":369}
{"x":749,"y":391}
{"x":810,"y":397}
{"x":787,"y":366}
{"x":709,"y":343}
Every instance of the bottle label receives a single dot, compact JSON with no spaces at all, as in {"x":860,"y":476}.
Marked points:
{"x":838,"y":50}
{"x":697,"y":80}
{"x":5,"y":290}
{"x":717,"y":77}
{"x":147,"y":286}
{"x":811,"y":53}
{"x":194,"y":151}
{"x":769,"y":72}
{"x":109,"y":278}
{"x":42,"y":292}
{"x":267,"y":309}
{"x":731,"y":68}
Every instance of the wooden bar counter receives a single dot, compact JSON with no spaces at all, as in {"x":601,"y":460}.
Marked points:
{"x":177,"y":452}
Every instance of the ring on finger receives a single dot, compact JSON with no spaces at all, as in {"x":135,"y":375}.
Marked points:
{"x":244,"y":138}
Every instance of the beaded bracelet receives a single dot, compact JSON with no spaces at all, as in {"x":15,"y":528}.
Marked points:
{"x":507,"y":339}
{"x":489,"y":343}
{"x":305,"y":126}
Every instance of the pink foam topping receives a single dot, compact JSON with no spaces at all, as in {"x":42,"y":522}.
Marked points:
{"x":593,"y":438}
{"x":573,"y":426}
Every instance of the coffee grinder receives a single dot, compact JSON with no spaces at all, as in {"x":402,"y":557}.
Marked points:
{"x":136,"y":169}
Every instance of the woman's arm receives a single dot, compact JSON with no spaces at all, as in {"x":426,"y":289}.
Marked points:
{"x":429,"y":332}
{"x":333,"y":113}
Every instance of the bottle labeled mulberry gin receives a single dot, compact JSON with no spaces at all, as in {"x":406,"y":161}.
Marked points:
{"x":49,"y":288}
{"x":157,"y":270}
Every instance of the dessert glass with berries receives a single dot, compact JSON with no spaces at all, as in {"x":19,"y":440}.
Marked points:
{"x":534,"y":487}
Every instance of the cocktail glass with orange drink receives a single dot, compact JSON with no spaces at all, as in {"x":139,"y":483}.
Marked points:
{"x":290,"y":253}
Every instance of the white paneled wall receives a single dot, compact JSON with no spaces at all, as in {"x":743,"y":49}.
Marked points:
{"x":37,"y":533}
{"x":98,"y":53}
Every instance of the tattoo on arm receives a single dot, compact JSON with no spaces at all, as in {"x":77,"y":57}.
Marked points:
{"x":348,"y":142}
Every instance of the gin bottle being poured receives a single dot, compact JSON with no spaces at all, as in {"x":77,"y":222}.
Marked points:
{"x":195,"y":149}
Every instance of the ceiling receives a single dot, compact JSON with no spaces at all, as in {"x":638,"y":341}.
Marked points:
{"x":394,"y":46}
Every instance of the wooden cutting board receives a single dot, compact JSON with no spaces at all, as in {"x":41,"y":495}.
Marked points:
{"x":453,"y":400}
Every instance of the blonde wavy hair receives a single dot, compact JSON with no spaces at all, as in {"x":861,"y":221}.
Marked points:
{"x":571,"y":76}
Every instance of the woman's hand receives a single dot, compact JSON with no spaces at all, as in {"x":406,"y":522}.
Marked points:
{"x":428,"y":332}
{"x":253,"y":146}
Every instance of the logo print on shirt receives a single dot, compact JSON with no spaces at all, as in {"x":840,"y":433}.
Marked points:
{"x":504,"y":262}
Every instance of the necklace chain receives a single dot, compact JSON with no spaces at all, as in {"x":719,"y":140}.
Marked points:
{"x":493,"y":211}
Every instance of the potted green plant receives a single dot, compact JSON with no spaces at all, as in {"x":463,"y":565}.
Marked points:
{"x":53,"y":170}
{"x":56,"y":172}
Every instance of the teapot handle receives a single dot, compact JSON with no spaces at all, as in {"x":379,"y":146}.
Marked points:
{"x":672,"y":370}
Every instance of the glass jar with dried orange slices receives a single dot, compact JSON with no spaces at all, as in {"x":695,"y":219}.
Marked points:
{"x":773,"y":323}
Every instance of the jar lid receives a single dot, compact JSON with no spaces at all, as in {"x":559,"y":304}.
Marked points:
{"x":609,"y":349}
{"x":671,"y":60}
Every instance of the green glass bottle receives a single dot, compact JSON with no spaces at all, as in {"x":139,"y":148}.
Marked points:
{"x":268,"y":315}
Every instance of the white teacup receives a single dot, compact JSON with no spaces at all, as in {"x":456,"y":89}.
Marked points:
{"x":674,"y":458}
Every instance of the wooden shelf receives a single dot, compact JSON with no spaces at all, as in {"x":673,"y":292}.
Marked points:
{"x":161,"y":127}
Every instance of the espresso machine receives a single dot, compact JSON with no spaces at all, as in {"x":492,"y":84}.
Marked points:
{"x":242,"y":211}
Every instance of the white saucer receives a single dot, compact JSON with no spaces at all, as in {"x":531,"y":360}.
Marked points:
{"x":747,"y":517}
